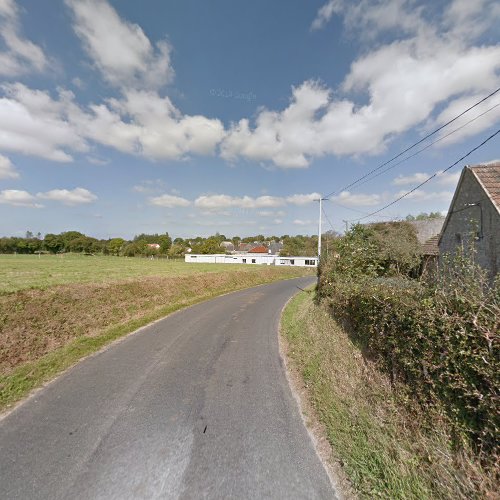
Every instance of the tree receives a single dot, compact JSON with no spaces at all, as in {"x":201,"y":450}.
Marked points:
{"x":115,"y":246}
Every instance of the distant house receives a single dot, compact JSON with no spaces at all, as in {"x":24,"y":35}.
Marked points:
{"x":154,"y":246}
{"x":259,"y":249}
{"x":228,"y":246}
{"x":475,"y":214}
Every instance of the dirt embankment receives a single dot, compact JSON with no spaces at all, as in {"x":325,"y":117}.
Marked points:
{"x":34,"y":323}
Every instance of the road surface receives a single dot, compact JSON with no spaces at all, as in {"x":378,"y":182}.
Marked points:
{"x":195,"y":406}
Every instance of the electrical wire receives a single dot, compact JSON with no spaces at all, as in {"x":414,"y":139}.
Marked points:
{"x":429,"y":178}
{"x":427,"y":147}
{"x":414,"y":145}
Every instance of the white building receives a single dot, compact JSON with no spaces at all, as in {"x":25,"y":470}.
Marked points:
{"x":248,"y":258}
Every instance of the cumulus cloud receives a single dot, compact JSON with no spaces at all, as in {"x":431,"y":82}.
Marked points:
{"x":303,"y":199}
{"x":119,"y":49}
{"x":420,"y":195}
{"x":357,"y":200}
{"x":7,"y":170}
{"x":169,"y":201}
{"x":224,"y":201}
{"x":423,"y":61}
{"x":77,"y":196}
{"x":20,"y":56}
{"x":34,"y":123}
{"x":18,"y":198}
{"x":443,"y":178}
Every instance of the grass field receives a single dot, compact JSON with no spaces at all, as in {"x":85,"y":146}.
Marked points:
{"x":19,"y":272}
{"x":56,"y":310}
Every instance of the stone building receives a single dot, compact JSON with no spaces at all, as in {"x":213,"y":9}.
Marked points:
{"x":475,"y":214}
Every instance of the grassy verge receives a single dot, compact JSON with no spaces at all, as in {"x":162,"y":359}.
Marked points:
{"x":385,"y":445}
{"x":43,"y":332}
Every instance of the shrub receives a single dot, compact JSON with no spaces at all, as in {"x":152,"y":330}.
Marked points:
{"x":440,"y":338}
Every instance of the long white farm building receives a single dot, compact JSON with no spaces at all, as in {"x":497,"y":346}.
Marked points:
{"x":248,"y":258}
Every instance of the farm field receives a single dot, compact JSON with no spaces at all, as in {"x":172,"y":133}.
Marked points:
{"x":54,"y":311}
{"x":19,"y":272}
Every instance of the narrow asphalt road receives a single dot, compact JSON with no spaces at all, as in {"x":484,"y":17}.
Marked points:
{"x":194,"y":406}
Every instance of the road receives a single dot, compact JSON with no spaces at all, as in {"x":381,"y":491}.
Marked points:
{"x":195,"y":406}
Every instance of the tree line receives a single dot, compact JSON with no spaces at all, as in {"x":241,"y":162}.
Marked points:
{"x":147,"y":245}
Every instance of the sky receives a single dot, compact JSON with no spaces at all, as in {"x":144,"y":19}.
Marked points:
{"x":195,"y":117}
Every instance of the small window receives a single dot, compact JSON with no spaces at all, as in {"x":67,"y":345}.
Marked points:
{"x":282,"y":261}
{"x":194,"y":256}
{"x":292,"y":262}
{"x":310,"y":262}
{"x":244,"y":261}
{"x":253,"y":261}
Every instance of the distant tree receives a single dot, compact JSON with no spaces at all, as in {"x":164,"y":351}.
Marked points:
{"x":176,"y":250}
{"x":53,"y":243}
{"x":115,"y":246}
{"x":424,"y":216}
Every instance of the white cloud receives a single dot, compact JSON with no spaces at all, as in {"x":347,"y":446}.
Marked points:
{"x":225,"y":201}
{"x":271,"y":213}
{"x":485,"y":115}
{"x":324,"y":14}
{"x":33,"y":123}
{"x":424,"y":62}
{"x":303,"y":199}
{"x":300,"y":222}
{"x":448,"y":179}
{"x":416,"y":178}
{"x":77,"y":196}
{"x":357,"y":200}
{"x":443,"y":178}
{"x":169,"y":201}
{"x":420,"y":195}
{"x":119,"y":49}
{"x":18,"y":198}
{"x":97,"y":161}
{"x":20,"y":55}
{"x":7,"y":170}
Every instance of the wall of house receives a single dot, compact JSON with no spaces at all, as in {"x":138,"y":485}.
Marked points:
{"x":465,"y":221}
{"x":248,"y":258}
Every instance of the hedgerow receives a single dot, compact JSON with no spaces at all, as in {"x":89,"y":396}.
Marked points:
{"x":438,"y":337}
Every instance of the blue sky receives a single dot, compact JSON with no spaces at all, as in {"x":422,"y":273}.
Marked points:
{"x":123,"y":117}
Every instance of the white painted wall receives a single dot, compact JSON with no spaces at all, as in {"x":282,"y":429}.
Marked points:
{"x":248,"y":258}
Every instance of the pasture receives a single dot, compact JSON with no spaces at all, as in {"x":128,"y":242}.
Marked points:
{"x":20,"y":272}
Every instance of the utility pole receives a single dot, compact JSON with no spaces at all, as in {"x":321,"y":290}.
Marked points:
{"x":346,"y":227}
{"x":319,"y":226}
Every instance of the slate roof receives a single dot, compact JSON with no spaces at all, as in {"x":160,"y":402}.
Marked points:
{"x":489,"y":178}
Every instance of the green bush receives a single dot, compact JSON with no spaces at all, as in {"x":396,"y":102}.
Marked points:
{"x":440,"y":338}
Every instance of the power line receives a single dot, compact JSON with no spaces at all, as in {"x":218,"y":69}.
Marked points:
{"x":428,"y":146}
{"x":415,"y":144}
{"x":429,"y":178}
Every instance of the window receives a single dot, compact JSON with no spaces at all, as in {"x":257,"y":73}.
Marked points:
{"x":244,"y":261}
{"x":292,"y":262}
{"x":282,"y":261}
{"x":310,"y":262}
{"x":253,"y":261}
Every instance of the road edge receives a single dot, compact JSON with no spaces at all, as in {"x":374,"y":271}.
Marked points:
{"x":315,"y":429}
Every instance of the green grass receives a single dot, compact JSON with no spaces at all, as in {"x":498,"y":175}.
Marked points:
{"x":386,"y":448}
{"x":18,"y":272}
{"x":18,"y":384}
{"x":45,"y":328}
